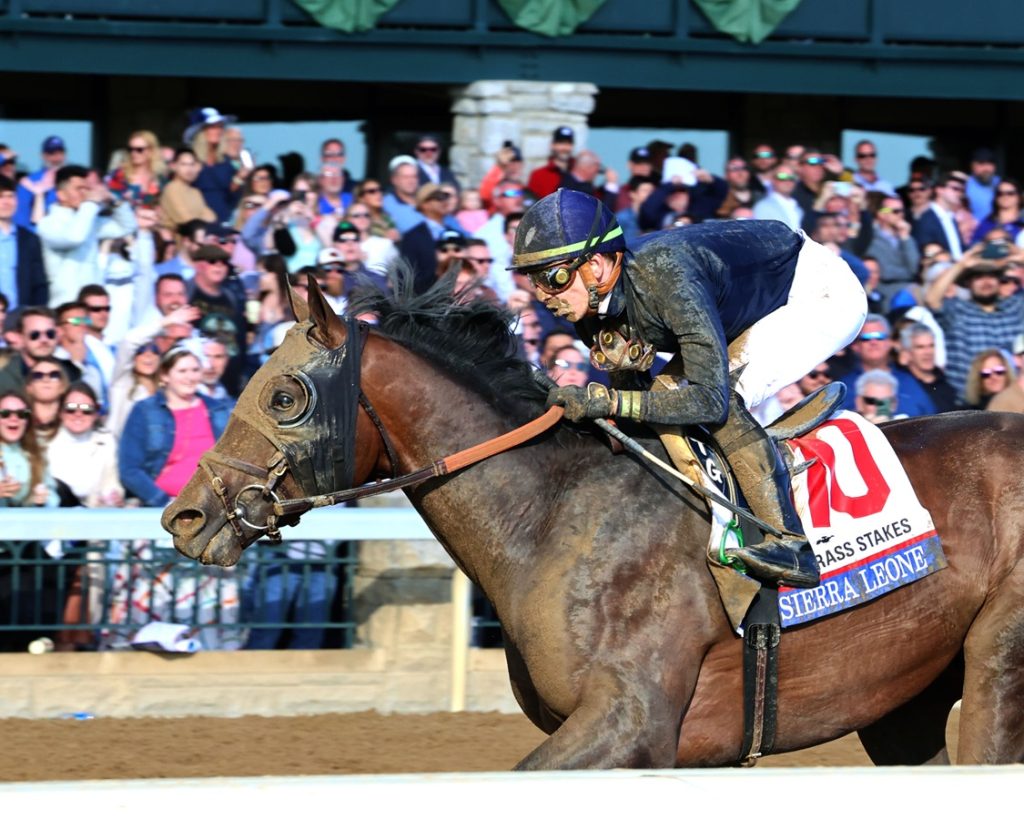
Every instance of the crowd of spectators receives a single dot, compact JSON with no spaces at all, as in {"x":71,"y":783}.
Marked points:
{"x":136,"y":300}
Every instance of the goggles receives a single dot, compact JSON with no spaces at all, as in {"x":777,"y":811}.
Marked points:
{"x":555,"y":280}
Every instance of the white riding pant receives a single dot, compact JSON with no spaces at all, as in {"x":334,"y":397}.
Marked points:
{"x":825,"y":311}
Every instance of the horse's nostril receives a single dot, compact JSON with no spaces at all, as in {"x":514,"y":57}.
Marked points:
{"x":187,"y":522}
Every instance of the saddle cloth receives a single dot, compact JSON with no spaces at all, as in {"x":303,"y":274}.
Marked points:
{"x":861,"y":515}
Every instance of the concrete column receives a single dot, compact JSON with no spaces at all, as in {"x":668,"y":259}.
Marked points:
{"x":489,"y":112}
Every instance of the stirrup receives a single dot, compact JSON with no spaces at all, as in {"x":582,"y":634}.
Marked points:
{"x":785,"y":563}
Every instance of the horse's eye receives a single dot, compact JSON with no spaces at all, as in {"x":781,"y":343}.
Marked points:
{"x":287,"y":400}
{"x":282,"y":401}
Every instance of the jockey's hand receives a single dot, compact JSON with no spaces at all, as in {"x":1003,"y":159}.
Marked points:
{"x":592,"y":401}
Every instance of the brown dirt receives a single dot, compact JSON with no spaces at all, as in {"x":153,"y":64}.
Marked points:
{"x":360,"y":743}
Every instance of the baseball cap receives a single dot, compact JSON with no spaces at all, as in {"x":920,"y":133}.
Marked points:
{"x":398,"y":161}
{"x":451,"y":237}
{"x":983,"y":155}
{"x":430,"y":191}
{"x":563,"y":133}
{"x":210,"y":253}
{"x":329,"y":256}
{"x":52,"y":144}
{"x":641,"y":154}
{"x":342,"y":228}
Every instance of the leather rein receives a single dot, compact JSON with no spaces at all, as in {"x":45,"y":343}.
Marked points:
{"x":277,"y":467}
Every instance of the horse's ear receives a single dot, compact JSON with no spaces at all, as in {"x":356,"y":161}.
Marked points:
{"x":299,"y":306}
{"x":330,"y":327}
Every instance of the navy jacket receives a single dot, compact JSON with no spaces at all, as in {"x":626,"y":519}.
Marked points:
{"x":928,"y":229}
{"x":148,"y":438}
{"x":33,"y":286}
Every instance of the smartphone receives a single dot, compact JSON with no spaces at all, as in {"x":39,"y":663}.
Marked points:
{"x":842,"y":188}
{"x":246,"y":159}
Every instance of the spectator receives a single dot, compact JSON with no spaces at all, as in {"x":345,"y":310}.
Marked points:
{"x":508,"y":201}
{"x":1011,"y":399}
{"x":428,"y":162}
{"x":80,"y":441}
{"x":980,"y":322}
{"x":261,"y":181}
{"x":866,"y":155}
{"x":332,"y":152}
{"x":448,"y":250}
{"x":46,"y":384}
{"x":401,"y":204}
{"x":8,"y":163}
{"x":982,"y":183}
{"x":917,"y":355}
{"x":569,"y":366}
{"x":780,"y":204}
{"x":876,"y":397}
{"x":368,"y":255}
{"x":181,"y":201}
{"x":471,"y":214}
{"x":583,"y":174}
{"x":897,"y":253}
{"x":417,"y":245}
{"x":140,"y":178}
{"x":811,"y":172}
{"x":918,"y":199}
{"x":991,"y":372}
{"x":37,"y":329}
{"x":764,"y":162}
{"x":96,"y":300}
{"x":37,"y":192}
{"x":370,"y":193}
{"x":873,"y":350}
{"x":72,"y":230}
{"x":507,"y":167}
{"x":167,"y":433}
{"x":293,"y":234}
{"x":22,"y":274}
{"x":29,"y":584}
{"x":741,"y":194}
{"x":332,"y":200}
{"x":548,"y":178}
{"x":640,"y":187}
{"x":219,"y":181}
{"x":75,"y":345}
{"x":1006,"y":212}
{"x":214,"y":363}
{"x":638,"y":165}
{"x":938,"y":223}
{"x":221,"y":303}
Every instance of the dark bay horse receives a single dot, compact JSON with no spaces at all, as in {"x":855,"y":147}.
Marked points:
{"x":616,"y":641}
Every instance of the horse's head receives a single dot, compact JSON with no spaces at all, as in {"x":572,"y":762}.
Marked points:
{"x":292,"y":435}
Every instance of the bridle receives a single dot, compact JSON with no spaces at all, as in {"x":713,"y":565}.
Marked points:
{"x":313,"y":481}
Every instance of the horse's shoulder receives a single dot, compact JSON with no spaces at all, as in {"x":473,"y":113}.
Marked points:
{"x":951,"y":431}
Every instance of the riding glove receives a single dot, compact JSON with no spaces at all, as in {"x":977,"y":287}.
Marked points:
{"x":593,"y":401}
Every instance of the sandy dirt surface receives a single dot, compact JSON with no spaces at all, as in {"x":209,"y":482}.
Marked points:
{"x":359,"y":743}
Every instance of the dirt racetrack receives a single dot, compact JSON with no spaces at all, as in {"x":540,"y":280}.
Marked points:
{"x":360,"y":743}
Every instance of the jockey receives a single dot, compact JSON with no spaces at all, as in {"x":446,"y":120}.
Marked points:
{"x":753,"y":297}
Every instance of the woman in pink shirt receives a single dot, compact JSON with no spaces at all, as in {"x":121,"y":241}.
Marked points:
{"x":166,"y":435}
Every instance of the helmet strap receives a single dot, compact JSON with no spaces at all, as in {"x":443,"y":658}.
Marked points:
{"x":581,"y":263}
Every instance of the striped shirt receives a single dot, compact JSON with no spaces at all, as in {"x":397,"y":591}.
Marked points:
{"x":970,"y":329}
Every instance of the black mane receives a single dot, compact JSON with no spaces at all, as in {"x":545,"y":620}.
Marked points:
{"x":472,"y":342}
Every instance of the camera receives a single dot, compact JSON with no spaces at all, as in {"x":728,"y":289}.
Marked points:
{"x":995,"y":249}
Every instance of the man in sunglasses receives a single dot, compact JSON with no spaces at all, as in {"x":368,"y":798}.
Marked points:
{"x":72,"y":345}
{"x":753,"y":298}
{"x":428,"y":162}
{"x":508,"y":203}
{"x":938,"y":223}
{"x":873,"y":350}
{"x":892,"y":246}
{"x":37,"y":328}
{"x":865,"y":155}
{"x":779,"y":204}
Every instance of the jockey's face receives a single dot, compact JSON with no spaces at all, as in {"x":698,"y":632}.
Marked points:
{"x":573,"y":302}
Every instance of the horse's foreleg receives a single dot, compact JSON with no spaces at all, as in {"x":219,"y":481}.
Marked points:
{"x":991,"y":716}
{"x":627,"y":725}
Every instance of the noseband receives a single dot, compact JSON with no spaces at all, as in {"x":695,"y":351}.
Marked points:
{"x":320,"y":465}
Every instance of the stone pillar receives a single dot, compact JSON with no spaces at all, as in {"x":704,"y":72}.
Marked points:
{"x":489,"y":112}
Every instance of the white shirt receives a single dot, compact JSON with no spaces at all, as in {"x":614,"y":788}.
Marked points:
{"x":956,"y":248}
{"x":499,"y":279}
{"x":71,"y":241}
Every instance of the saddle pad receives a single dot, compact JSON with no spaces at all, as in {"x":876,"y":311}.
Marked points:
{"x":868,"y":530}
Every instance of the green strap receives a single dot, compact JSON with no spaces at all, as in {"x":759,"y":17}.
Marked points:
{"x":723,"y":557}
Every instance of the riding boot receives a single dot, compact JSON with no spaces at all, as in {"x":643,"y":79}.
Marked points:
{"x":762,"y":476}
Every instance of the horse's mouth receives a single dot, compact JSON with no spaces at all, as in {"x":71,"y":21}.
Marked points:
{"x":211,"y":542}
{"x":223,"y":549}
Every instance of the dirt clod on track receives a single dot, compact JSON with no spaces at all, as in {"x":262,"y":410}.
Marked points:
{"x":362,"y":743}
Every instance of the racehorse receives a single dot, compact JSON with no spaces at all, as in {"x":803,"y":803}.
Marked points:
{"x":616,"y":640}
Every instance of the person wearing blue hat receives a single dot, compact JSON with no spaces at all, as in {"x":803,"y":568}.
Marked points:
{"x":219,"y":181}
{"x":746,"y":308}
{"x":37,"y":192}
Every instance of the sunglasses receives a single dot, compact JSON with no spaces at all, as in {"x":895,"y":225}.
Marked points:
{"x":917,"y":188}
{"x":332,"y":268}
{"x":1010,"y":192}
{"x":765,"y":154}
{"x":79,"y":321}
{"x":261,"y":177}
{"x":813,"y":160}
{"x":346,"y":240}
{"x":333,"y":154}
{"x":427,"y":149}
{"x":98,"y":308}
{"x":148,"y":348}
{"x":993,"y":371}
{"x":736,"y":168}
{"x":84,"y":409}
{"x":875,"y":336}
{"x":22,"y":414}
{"x":867,"y":156}
{"x":512,"y":193}
{"x":785,"y":177}
{"x":359,"y":215}
{"x":39,"y":375}
{"x":371,"y":190}
{"x":487,"y":260}
{"x":450,"y":248}
{"x":890,"y":210}
{"x":135,"y":149}
{"x":876,"y":402}
{"x":957,"y":188}
{"x":579,"y":366}
{"x":35,"y":335}
{"x":818,"y":374}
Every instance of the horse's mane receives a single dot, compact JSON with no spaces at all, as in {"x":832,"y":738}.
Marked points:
{"x":472,"y":342}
